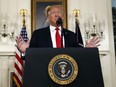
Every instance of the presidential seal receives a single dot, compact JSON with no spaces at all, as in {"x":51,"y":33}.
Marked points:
{"x":63,"y":69}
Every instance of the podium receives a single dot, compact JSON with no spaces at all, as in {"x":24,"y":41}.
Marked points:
{"x":38,"y":59}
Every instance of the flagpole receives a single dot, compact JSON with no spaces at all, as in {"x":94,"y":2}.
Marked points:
{"x":23,"y":12}
{"x":76,"y":12}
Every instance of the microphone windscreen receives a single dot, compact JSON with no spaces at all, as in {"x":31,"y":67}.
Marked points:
{"x":59,"y":21}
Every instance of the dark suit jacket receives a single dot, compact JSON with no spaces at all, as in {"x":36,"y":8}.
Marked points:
{"x":42,"y":38}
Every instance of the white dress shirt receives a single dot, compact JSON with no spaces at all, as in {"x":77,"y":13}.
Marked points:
{"x":52,"y":33}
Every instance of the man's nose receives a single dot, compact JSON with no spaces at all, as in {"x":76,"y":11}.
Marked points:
{"x":57,"y":14}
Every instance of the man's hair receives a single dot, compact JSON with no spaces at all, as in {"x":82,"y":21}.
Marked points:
{"x":48,"y":8}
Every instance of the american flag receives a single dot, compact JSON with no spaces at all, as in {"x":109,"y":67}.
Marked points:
{"x":19,"y":63}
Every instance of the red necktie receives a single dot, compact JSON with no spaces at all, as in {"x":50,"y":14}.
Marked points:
{"x":58,"y":38}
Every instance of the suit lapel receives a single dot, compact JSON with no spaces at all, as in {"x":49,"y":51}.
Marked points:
{"x":65,"y":38}
{"x":68,"y":39}
{"x":48,"y":37}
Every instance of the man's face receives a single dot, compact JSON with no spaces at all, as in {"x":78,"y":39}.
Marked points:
{"x":53,"y":15}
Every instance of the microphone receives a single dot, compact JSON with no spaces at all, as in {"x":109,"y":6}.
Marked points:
{"x":59,"y":21}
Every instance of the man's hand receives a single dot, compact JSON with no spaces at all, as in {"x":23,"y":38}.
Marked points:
{"x":21,"y":44}
{"x":94,"y":42}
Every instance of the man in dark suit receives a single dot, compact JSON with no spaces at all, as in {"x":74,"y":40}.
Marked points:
{"x":41,"y":38}
{"x":46,"y":37}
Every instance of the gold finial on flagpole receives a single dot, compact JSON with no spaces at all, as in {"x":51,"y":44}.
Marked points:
{"x":76,"y":13}
{"x":23,"y":13}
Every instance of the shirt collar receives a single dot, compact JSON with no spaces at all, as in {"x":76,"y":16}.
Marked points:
{"x":52,"y":28}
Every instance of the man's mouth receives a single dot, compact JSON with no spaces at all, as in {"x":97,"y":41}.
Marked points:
{"x":56,"y":18}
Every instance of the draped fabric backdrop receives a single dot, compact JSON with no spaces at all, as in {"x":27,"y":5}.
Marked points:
{"x":114,"y":19}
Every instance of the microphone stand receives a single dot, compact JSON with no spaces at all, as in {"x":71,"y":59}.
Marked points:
{"x":62,"y":34}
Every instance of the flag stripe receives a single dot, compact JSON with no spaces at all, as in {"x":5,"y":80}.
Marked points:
{"x":18,"y":69}
{"x":17,"y":81}
{"x":18,"y":63}
{"x":19,"y":59}
{"x":18,"y":75}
